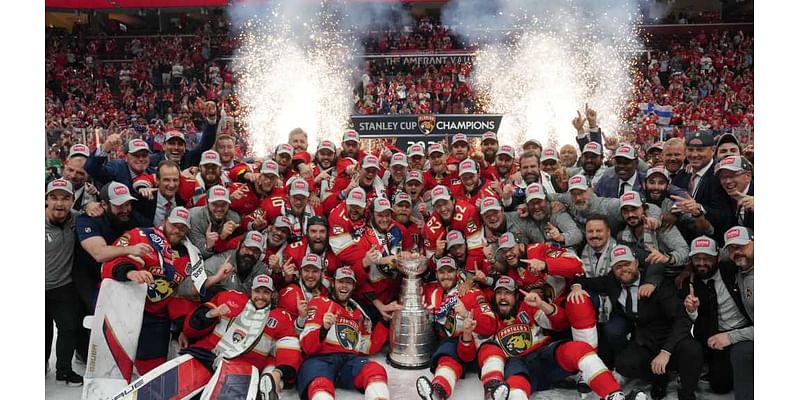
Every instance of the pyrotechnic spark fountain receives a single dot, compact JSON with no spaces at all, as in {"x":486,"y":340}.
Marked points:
{"x":290,"y":77}
{"x":539,"y":63}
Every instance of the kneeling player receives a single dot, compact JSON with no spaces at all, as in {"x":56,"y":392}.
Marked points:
{"x":246,"y":329}
{"x":456,"y":315}
{"x":335,"y":338}
{"x":522,"y":353}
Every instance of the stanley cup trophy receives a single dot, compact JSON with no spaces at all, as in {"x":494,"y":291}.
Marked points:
{"x":411,"y":336}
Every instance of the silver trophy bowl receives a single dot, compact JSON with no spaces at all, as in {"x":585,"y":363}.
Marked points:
{"x":411,"y":334}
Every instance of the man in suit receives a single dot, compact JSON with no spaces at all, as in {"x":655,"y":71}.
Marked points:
{"x":74,"y":172}
{"x":156,"y":207}
{"x":713,"y":300}
{"x":135,"y":163}
{"x":626,"y":175}
{"x":674,"y":158}
{"x":707,"y":196}
{"x":660,"y":328}
{"x":736,"y":177}
{"x":175,"y":143}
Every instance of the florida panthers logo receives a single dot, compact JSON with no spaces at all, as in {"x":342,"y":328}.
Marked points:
{"x":160,"y":289}
{"x":426,"y":123}
{"x":347,"y":335}
{"x":238,"y":335}
{"x":515,"y":339}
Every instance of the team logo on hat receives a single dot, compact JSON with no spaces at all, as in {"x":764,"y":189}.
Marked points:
{"x":120,"y":190}
{"x":591,"y":146}
{"x":628,"y":196}
{"x":439,"y":191}
{"x":728,"y":160}
{"x":733,"y":233}
{"x":702,"y":243}
{"x":575,"y":180}
{"x":549,"y":152}
{"x":426,"y":123}
{"x":219,"y":191}
{"x":182,"y":213}
{"x":59,"y":183}
{"x":256,"y":237}
{"x":452,"y":236}
{"x":625,"y":148}
{"x":263,"y":279}
{"x":357,"y":195}
{"x":532,"y":189}
{"x":620,"y":251}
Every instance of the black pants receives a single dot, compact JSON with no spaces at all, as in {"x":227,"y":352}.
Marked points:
{"x":63,"y":306}
{"x":687,"y":359}
{"x":612,"y":338}
{"x":732,"y":368}
{"x":86,"y":288}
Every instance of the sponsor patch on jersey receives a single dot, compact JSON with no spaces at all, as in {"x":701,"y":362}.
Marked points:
{"x":515,"y":339}
{"x":272,"y":322}
{"x":554,"y":253}
{"x":523,"y":316}
{"x":338,"y":230}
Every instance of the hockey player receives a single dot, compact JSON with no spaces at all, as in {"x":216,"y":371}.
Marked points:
{"x":456,"y":316}
{"x":294,"y":298}
{"x":335,"y":338}
{"x":249,"y":329}
{"x":314,"y":242}
{"x":551,"y":269}
{"x":472,"y":187}
{"x":523,"y":354}
{"x":295,"y":206}
{"x":158,"y":270}
{"x":454,"y":214}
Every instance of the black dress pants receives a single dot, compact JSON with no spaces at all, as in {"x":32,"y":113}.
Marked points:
{"x":63,"y":306}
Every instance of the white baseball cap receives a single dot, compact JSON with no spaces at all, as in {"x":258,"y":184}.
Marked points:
{"x":489,"y":135}
{"x":254,"y":239}
{"x":398,"y":159}
{"x":345,"y":273}
{"x":578,"y":182}
{"x":59,"y":184}
{"x":592,"y":147}
{"x":79,"y":149}
{"x":534,"y":191}
{"x":218,"y":193}
{"x":489,"y":204}
{"x":299,"y":186}
{"x":737,"y":235}
{"x":357,"y":197}
{"x":210,"y":157}
{"x":439,"y":193}
{"x":118,"y":194}
{"x":630,"y":199}
{"x":179,"y":215}
{"x":468,"y":166}
{"x":621,"y":253}
{"x":549,"y":154}
{"x":381,"y":204}
{"x":704,"y":245}
{"x":625,"y":151}
{"x":370,"y":161}
{"x":270,"y":167}
{"x":263,"y":281}
{"x":137,"y":145}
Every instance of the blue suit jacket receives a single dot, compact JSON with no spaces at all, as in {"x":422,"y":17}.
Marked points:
{"x":190,"y":158}
{"x":608,"y":186}
{"x":103,"y":171}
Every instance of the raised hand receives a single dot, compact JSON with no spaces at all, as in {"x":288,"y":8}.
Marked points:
{"x":211,"y":237}
{"x":329,"y":318}
{"x":691,"y":302}
{"x":535,"y":265}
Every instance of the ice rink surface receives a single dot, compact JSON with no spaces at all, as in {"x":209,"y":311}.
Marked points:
{"x":401,"y":387}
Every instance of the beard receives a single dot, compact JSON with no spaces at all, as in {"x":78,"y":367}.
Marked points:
{"x":317,"y":247}
{"x":245,"y":263}
{"x":707,"y":274}
{"x":503,"y":316}
{"x":119,"y":225}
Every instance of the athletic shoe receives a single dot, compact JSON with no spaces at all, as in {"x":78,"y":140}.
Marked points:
{"x":635,"y":395}
{"x":496,"y":390}
{"x":267,"y":390}
{"x":429,"y":391}
{"x":70,"y":378}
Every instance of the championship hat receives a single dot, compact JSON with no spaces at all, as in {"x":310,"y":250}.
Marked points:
{"x":505,"y":282}
{"x":253,"y":239}
{"x":173,"y":134}
{"x":59,"y":184}
{"x":630,"y":199}
{"x":398,"y":159}
{"x":218,"y":193}
{"x":737,"y":235}
{"x":263,"y":281}
{"x":117,"y":194}
{"x":445,"y":262}
{"x":592,"y":147}
{"x":137,"y":145}
{"x":534,"y":191}
{"x":179,"y":215}
{"x":704,"y":245}
{"x":506,"y":241}
{"x":454,"y":238}
{"x":490,"y":203}
{"x":549,"y":154}
{"x":345,"y":273}
{"x":439,"y":193}
{"x":79,"y":149}
{"x":625,"y":151}
{"x":312,"y":260}
{"x":210,"y":157}
{"x":468,"y":166}
{"x":357,"y":197}
{"x":270,"y":167}
{"x":578,"y":182}
{"x":621,"y":253}
{"x":402,"y":197}
{"x":381,"y":204}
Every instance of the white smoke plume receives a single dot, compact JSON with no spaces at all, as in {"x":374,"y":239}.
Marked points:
{"x":540,"y":61}
{"x":296,"y":62}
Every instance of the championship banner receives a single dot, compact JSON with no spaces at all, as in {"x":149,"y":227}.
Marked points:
{"x":427,"y":128}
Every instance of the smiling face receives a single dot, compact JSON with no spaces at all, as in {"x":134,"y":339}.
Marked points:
{"x":445,"y":209}
{"x":505,"y":300}
{"x":580,"y":198}
{"x":175,"y":233}
{"x":625,"y":167}
{"x":727,"y":149}
{"x":447,"y":277}
{"x":503,"y":164}
{"x":738,"y":254}
{"x":168,"y":180}
{"x":382,"y":220}
{"x":626,"y":272}
{"x":138,"y":161}
{"x":343,"y":289}
{"x":325,"y":158}
{"x":673,"y":156}
{"x":734,"y":182}
{"x":226,"y":149}
{"x":261,"y":297}
{"x":355,"y":213}
{"x":705,"y":265}
{"x":632,"y":215}
{"x":529,"y":169}
{"x":311,"y":276}
{"x":656,"y":187}
{"x":317,"y":238}
{"x":174,"y":149}
{"x":698,"y":156}
{"x":218,"y":210}
{"x":597,"y":234}
{"x":459,"y":150}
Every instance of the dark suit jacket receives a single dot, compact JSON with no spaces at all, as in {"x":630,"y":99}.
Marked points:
{"x":706,"y":315}
{"x":661,"y":321}
{"x":103,"y":171}
{"x":714,"y":200}
{"x":190,"y":158}
{"x":147,"y":208}
{"x":608,"y":186}
{"x":591,"y":137}
{"x":749,"y":216}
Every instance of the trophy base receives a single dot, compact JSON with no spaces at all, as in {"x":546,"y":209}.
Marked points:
{"x":406,"y":362}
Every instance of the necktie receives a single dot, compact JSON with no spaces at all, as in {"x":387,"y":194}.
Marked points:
{"x":622,"y":188}
{"x":692,"y":184}
{"x":628,"y":303}
{"x":167,"y":208}
{"x":597,"y":256}
{"x":712,"y":297}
